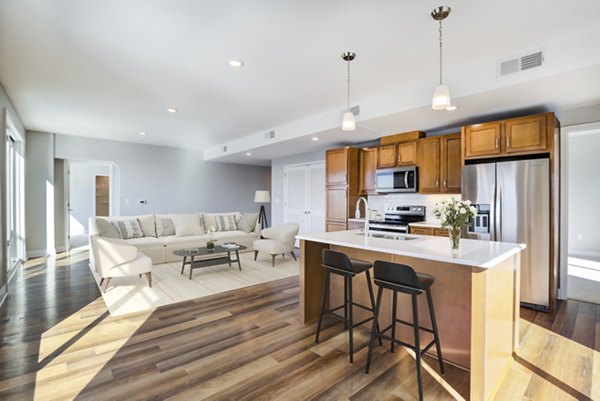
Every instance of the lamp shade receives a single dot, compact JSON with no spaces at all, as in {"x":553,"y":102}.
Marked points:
{"x":348,"y":123}
{"x":441,"y":98}
{"x":262,"y":197}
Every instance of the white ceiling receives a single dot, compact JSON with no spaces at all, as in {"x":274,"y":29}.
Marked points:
{"x":109,"y":69}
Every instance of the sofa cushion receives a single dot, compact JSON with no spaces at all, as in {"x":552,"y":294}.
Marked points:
{"x":164,"y":225}
{"x":128,"y":228}
{"x":187,"y":224}
{"x":247,"y":222}
{"x":106,"y":229}
{"x":146,"y":242}
{"x":185,"y":242}
{"x":226,"y":235}
{"x":146,"y":223}
{"x":211,"y":220}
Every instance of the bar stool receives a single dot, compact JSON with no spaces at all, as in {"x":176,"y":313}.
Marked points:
{"x":339,"y":263}
{"x":401,"y":278}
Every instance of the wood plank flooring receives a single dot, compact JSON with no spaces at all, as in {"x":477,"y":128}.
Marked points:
{"x":59,"y":343}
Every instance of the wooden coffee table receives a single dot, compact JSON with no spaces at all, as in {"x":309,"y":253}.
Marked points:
{"x":200,"y":257}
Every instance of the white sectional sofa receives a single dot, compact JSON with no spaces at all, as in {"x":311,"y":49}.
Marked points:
{"x":157,"y":236}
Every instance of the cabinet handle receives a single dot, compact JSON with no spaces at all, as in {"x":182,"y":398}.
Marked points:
{"x":497,"y":142}
{"x":508,"y":141}
{"x":445,"y":183}
{"x":437,"y":182}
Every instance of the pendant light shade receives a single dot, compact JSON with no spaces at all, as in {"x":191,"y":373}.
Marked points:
{"x":441,"y":94}
{"x":348,"y":123}
{"x":441,"y":98}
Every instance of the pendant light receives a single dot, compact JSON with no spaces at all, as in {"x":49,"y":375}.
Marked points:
{"x":441,"y":94}
{"x":348,"y":123}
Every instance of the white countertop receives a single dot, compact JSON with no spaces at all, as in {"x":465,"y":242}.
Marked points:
{"x":362,"y":220}
{"x":482,"y":254}
{"x":428,"y":224}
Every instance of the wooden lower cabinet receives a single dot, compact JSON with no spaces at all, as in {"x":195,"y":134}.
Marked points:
{"x":331,"y":226}
{"x":421,"y":230}
{"x":440,"y":232}
{"x":337,"y":204}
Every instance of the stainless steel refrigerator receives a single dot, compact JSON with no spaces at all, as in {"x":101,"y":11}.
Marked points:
{"x":513,"y":201}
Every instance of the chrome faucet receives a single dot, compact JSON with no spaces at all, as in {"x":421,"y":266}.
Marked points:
{"x":357,"y":214}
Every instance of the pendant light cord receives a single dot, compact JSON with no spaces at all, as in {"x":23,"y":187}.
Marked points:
{"x":440,"y":52}
{"x":348,"y":84}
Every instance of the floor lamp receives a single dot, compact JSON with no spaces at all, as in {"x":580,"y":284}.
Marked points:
{"x":262,"y":197}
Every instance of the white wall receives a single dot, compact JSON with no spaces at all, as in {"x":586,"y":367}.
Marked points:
{"x":277,"y":166}
{"x":82,"y":188}
{"x":583,"y":169}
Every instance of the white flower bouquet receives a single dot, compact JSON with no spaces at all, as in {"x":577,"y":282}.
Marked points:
{"x":454,"y":215}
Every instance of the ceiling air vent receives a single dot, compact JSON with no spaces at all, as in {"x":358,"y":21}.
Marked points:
{"x":521,"y":63}
{"x":269,"y":135}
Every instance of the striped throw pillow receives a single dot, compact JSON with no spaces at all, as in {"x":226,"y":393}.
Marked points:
{"x":226,"y":222}
{"x":128,"y":229}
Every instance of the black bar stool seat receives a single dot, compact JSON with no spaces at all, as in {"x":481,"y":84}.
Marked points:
{"x":403,"y":279}
{"x":339,"y":263}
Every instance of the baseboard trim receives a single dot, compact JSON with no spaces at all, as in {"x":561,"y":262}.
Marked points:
{"x":38,"y":253}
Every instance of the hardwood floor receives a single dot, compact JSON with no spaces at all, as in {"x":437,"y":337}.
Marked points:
{"x":59,"y":342}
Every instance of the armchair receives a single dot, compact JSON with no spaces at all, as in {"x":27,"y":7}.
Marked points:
{"x":277,"y":240}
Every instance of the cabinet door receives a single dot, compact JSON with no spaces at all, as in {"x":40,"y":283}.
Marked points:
{"x":368,"y":166}
{"x":421,"y":230}
{"x":440,"y":232}
{"x":336,"y":164}
{"x":386,"y":156}
{"x":335,"y":226}
{"x":451,"y":164}
{"x":429,"y":165}
{"x":337,"y":204}
{"x":482,"y":139}
{"x":408,"y":153}
{"x":526,"y":134}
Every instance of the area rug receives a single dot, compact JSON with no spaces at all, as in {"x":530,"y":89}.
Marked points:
{"x":132,"y":294}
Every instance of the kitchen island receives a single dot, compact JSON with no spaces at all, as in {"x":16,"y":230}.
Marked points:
{"x":476,"y":295}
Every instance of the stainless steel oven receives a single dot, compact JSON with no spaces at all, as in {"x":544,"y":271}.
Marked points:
{"x":402,"y":179}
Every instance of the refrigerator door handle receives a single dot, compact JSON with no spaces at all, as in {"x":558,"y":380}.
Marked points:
{"x":498,"y":213}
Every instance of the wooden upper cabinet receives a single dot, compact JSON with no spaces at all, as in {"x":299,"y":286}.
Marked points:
{"x":336,"y":165}
{"x":526,"y":134}
{"x":429,"y":165}
{"x":386,"y":156}
{"x":368,"y":166}
{"x":337,"y":204}
{"x":482,"y":139}
{"x":408,"y":153}
{"x":451,"y":166}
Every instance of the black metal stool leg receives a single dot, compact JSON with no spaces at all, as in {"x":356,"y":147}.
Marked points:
{"x":394,"y":317}
{"x":435,"y":331}
{"x":324,"y":296}
{"x":417,"y":350}
{"x":374,"y":329}
{"x":350,"y":321}
{"x":372,"y":296}
{"x":345,"y":303}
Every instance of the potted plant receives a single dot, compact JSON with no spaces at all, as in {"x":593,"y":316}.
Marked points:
{"x":454,"y":215}
{"x":210,"y":244}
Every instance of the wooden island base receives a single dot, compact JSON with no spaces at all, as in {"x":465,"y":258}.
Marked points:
{"x":477,"y":309}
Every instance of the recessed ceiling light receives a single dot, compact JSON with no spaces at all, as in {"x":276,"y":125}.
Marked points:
{"x":451,"y":108}
{"x":142,"y":133}
{"x":315,"y":138}
{"x":248,"y":154}
{"x":172,"y":110}
{"x":236,"y":63}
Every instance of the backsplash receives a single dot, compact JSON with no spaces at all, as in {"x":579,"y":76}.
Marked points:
{"x":381,"y":202}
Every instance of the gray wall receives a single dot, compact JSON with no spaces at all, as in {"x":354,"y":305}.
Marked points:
{"x":277,"y":166}
{"x":171,"y":180}
{"x":39,"y":190}
{"x":82,"y":188}
{"x":584,"y":194}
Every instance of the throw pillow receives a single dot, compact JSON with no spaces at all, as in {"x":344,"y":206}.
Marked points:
{"x":247,"y":222}
{"x":164,"y":226}
{"x":187,"y":224}
{"x":105,"y":229}
{"x":210,"y":219}
{"x":226,"y":222}
{"x":128,"y":229}
{"x":146,"y":223}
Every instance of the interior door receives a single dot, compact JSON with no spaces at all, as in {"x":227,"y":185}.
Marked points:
{"x":316,"y":207}
{"x":11,"y":215}
{"x":296,"y":196}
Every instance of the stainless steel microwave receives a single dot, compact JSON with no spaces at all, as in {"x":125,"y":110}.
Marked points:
{"x":391,"y":180}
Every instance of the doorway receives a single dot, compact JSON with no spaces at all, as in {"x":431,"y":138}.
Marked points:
{"x":14,"y":200}
{"x":304,"y":196}
{"x":583,"y":198}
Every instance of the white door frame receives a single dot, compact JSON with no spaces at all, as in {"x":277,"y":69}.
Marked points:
{"x":567,"y":133}
{"x":285,"y":183}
